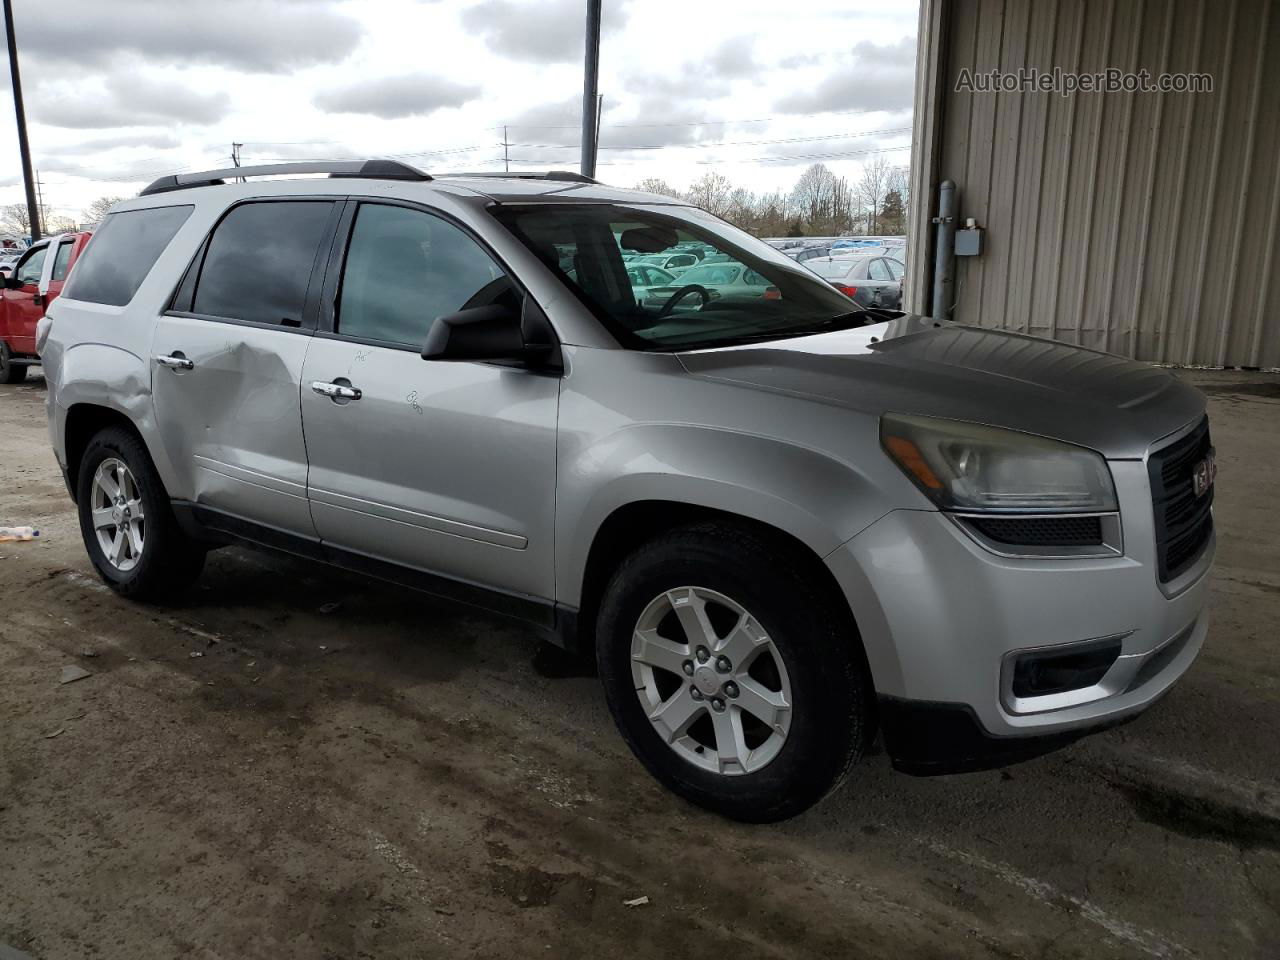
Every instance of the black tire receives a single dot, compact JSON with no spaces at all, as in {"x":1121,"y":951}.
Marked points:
{"x":10,"y":372}
{"x":170,"y":560}
{"x":832,"y":715}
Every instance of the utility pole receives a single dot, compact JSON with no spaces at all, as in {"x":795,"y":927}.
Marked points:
{"x":40,"y":201}
{"x":590,"y":85}
{"x":20,"y":113}
{"x":235,"y":157}
{"x":506,"y":155}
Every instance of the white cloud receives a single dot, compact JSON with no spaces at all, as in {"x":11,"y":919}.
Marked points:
{"x":408,"y":95}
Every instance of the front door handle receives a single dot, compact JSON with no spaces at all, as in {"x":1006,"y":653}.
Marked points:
{"x":336,"y":391}
{"x":176,"y":361}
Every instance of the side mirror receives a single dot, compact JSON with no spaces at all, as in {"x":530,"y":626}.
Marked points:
{"x":11,"y":281}
{"x":479,"y":333}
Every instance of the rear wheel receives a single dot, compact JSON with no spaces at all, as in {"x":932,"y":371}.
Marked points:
{"x":10,"y":372}
{"x":128,"y":527}
{"x":729,"y":675}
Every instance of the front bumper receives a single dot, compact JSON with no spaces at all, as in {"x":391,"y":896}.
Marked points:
{"x":941,"y":618}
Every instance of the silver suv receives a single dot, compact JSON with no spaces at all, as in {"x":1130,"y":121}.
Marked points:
{"x":779,"y":521}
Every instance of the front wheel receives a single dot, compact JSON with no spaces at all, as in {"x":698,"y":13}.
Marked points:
{"x":126,"y":521}
{"x":10,"y":372}
{"x":729,"y":675}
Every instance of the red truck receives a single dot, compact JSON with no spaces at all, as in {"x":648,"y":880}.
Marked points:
{"x":37,"y":278}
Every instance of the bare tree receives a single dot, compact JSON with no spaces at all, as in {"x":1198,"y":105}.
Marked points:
{"x":15,"y":218}
{"x":658,"y":185}
{"x":711,"y":192}
{"x":813,"y":195}
{"x":900,"y":181}
{"x":872,"y":188}
{"x":95,"y":211}
{"x":53,"y":225}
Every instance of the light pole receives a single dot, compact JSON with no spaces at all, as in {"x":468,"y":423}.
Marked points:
{"x":591,"y":81}
{"x":33,"y":209}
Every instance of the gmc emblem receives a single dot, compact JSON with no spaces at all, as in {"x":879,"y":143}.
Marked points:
{"x":1203,"y":475}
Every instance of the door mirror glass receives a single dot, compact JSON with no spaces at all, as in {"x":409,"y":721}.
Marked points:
{"x":477,"y":333}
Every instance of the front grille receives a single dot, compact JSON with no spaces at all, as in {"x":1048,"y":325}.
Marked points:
{"x":1064,"y":531}
{"x":1183,"y":521}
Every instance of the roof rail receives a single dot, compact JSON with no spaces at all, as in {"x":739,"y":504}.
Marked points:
{"x":567,"y":175}
{"x":372,"y":169}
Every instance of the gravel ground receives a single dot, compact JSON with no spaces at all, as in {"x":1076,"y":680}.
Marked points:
{"x":257,"y":773}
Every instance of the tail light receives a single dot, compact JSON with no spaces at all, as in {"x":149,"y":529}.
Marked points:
{"x":847,"y":290}
{"x":772,"y":293}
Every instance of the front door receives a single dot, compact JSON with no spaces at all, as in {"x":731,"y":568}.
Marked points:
{"x":227,"y":363}
{"x":446,"y":467}
{"x":24,"y":305}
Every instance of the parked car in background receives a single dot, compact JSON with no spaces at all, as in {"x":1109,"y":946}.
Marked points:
{"x":671,"y":262}
{"x":644,"y":277}
{"x":35,"y":281}
{"x":801,"y":254}
{"x":870,"y":281}
{"x":711,"y":282}
{"x":7,"y":261}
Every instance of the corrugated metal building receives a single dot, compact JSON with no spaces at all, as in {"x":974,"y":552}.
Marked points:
{"x":1143,"y":223}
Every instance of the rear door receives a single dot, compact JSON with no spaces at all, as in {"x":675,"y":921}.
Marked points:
{"x":443,"y":466}
{"x":24,"y":305}
{"x":227,"y":362}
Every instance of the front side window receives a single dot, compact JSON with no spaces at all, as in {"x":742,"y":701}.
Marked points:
{"x":122,"y":252}
{"x":743,"y":290}
{"x":61,"y":260}
{"x":260,"y":260}
{"x":29,"y":269}
{"x":405,"y":268}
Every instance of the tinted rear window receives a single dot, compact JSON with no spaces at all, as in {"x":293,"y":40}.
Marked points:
{"x":834,"y":268}
{"x":122,"y":252}
{"x":260,"y":261}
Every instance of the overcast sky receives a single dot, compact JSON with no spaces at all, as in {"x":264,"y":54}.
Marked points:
{"x":120,"y":92}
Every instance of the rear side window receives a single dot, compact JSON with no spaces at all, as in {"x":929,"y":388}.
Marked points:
{"x":60,"y":261}
{"x":260,"y":260}
{"x":122,"y":252}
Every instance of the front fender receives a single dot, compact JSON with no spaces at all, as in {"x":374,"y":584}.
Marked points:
{"x":808,"y":494}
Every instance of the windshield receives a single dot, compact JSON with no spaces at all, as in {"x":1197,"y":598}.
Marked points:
{"x":833,"y":268}
{"x":749,"y":292}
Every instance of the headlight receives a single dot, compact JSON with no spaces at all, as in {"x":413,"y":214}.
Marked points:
{"x":966,"y":466}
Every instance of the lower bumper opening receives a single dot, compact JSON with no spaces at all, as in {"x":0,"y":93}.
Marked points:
{"x":1039,"y":674}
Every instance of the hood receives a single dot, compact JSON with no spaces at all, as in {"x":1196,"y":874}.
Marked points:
{"x":917,"y":365}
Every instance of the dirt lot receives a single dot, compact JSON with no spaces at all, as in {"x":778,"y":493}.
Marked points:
{"x":248,"y":775}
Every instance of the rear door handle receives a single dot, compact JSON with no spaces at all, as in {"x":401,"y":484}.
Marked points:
{"x":176,"y":361}
{"x":336,"y":391}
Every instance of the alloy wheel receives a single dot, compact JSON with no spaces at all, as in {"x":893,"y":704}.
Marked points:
{"x":711,"y":681}
{"x":119,"y":519}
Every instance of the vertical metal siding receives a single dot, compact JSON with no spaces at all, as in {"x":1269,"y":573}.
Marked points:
{"x":1139,"y":223}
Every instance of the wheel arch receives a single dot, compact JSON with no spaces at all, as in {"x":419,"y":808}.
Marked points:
{"x":631,"y":525}
{"x":84,"y":421}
